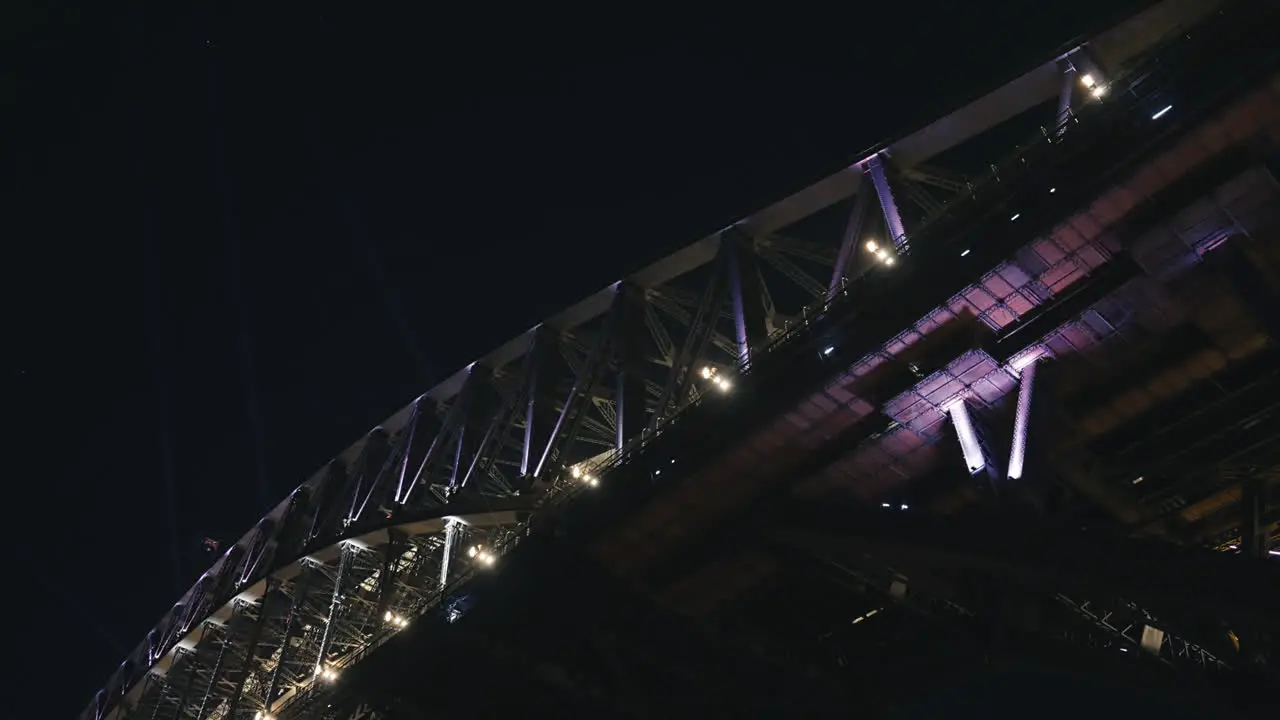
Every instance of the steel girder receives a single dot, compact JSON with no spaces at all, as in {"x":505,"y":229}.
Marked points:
{"x":1090,"y":564}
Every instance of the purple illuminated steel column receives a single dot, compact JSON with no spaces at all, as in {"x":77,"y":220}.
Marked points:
{"x":745,"y":290}
{"x":1022,"y":422}
{"x":969,"y":443}
{"x":888,"y":206}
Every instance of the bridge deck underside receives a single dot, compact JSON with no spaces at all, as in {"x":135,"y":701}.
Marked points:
{"x":1132,"y":364}
{"x":1162,"y":345}
{"x":557,"y":633}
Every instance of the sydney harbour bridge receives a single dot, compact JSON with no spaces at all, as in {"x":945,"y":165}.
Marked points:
{"x":922,"y":416}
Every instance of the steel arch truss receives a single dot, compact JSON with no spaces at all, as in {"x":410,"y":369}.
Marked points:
{"x":311,"y":585}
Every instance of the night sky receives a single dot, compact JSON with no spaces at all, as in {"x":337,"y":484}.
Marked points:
{"x":238,"y":235}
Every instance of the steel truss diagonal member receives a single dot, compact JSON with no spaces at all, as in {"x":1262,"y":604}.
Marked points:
{"x":701,"y":329}
{"x":364,"y":472}
{"x":497,"y":413}
{"x":379,"y":459}
{"x":852,"y":239}
{"x":540,"y":399}
{"x":450,"y":436}
{"x":328,"y":501}
{"x":629,"y":395}
{"x":573,"y":412}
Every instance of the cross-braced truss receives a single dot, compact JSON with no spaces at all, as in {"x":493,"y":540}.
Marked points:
{"x":439,"y":490}
{"x":368,"y":537}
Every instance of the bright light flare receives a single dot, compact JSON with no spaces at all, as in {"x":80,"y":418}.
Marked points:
{"x":872,"y":246}
{"x":1162,"y":112}
{"x":481,"y":555}
{"x":712,"y":374}
{"x":1087,"y":80}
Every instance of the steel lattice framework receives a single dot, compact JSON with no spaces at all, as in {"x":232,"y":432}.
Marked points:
{"x":438,"y":491}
